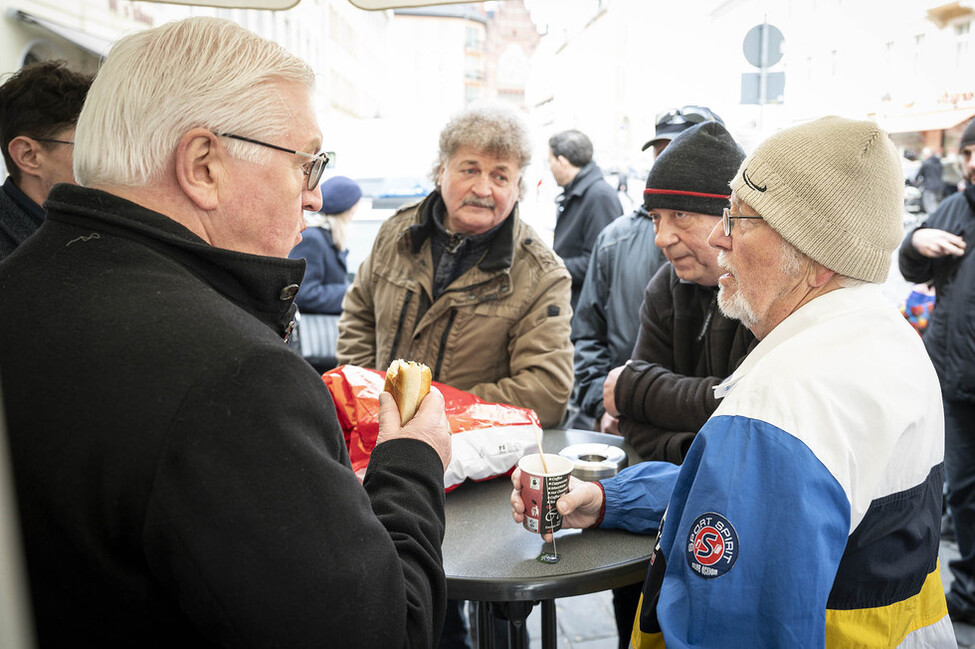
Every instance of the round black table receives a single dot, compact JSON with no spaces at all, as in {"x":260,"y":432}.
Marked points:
{"x":490,"y":559}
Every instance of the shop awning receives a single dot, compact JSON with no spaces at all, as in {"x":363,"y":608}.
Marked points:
{"x":938,"y":120}
{"x":93,"y":44}
{"x":373,"y":5}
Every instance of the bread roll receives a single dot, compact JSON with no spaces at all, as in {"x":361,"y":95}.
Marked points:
{"x":408,"y":382}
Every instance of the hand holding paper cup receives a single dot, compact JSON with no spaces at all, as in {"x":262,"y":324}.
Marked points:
{"x":542,"y":483}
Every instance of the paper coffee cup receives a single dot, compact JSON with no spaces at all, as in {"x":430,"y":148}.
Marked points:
{"x":540,"y":490}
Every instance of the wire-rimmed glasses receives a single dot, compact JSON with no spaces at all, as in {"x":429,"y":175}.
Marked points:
{"x":313,"y":169}
{"x":727,"y":220}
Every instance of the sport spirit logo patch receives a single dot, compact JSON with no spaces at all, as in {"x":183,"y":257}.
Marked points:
{"x":712,"y":545}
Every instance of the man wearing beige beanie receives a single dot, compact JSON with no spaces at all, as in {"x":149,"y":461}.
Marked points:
{"x":807,"y":511}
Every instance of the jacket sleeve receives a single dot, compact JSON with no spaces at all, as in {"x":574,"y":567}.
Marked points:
{"x":266,"y":537}
{"x":357,"y":325}
{"x":593,"y":358}
{"x":914,"y":266}
{"x":599,"y":210}
{"x":317,"y":295}
{"x":637,"y":496}
{"x":654,"y":442}
{"x":540,"y":350}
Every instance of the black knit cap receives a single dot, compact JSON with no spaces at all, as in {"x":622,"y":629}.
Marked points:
{"x":693,"y":172}
{"x":968,"y":136}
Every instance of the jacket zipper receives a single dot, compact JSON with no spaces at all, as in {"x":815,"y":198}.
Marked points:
{"x":443,"y":343}
{"x":399,"y":328}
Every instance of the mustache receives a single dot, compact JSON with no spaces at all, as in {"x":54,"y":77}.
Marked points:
{"x":724,"y":263}
{"x":476,"y":202}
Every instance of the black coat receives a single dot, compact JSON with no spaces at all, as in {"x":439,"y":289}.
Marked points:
{"x":19,"y":217}
{"x":929,"y":176}
{"x":684,"y":348}
{"x":950,"y":336}
{"x":587,"y":205}
{"x":181,"y":477}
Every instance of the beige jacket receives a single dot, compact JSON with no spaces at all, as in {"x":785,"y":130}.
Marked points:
{"x":500,"y":331}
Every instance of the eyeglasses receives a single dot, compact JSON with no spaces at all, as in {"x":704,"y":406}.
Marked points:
{"x":689,"y":115}
{"x":727,"y":220}
{"x":46,"y":139}
{"x":313,"y":169}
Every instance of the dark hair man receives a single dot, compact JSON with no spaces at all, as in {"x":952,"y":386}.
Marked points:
{"x":586,"y":205}
{"x":39,"y":107}
{"x":937,"y":252}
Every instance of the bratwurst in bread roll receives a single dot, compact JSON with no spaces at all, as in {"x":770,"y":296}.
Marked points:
{"x":408,"y":382}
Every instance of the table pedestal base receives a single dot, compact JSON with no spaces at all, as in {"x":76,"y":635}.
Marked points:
{"x":516,"y":613}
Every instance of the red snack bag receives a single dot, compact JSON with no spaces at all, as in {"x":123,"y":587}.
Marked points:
{"x":488,"y":438}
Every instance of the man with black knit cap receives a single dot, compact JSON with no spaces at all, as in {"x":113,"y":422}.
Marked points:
{"x":685,"y":346}
{"x":935,"y":252}
{"x":624,"y":258}
{"x":807,"y":510}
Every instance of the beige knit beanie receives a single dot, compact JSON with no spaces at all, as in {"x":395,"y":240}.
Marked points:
{"x":834,"y":189}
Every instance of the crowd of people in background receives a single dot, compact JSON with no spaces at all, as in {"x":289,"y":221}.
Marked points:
{"x":181,"y":474}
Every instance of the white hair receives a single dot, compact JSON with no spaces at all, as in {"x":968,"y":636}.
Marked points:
{"x":160,"y":83}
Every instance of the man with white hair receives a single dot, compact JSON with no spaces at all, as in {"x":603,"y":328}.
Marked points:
{"x":808,"y":508}
{"x":181,"y":476}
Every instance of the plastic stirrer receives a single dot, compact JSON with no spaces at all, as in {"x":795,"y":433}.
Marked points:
{"x":538,"y":441}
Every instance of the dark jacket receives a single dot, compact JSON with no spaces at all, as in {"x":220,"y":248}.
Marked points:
{"x":930,"y":175}
{"x":181,"y":477}
{"x":684,"y":348}
{"x":19,"y":217}
{"x":586,"y":206}
{"x":950,"y":336}
{"x":326,"y":277}
{"x":606,"y":320}
{"x":500,"y":330}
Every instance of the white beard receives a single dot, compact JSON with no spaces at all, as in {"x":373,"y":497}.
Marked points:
{"x":736,"y":307}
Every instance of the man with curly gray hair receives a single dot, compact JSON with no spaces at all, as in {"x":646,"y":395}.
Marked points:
{"x":458,"y":281}
{"x":461,"y":283}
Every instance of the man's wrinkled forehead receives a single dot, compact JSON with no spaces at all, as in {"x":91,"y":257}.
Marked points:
{"x":483,"y":158}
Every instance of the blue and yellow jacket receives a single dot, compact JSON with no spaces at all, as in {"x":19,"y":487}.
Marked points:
{"x":807,"y":512}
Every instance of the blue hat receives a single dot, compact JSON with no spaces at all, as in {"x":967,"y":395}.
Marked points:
{"x":339,"y":194}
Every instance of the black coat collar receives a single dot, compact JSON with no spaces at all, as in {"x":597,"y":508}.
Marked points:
{"x":263,"y":286}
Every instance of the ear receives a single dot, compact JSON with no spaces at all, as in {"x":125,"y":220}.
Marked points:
{"x":25,"y":153}
{"x":201,"y":168}
{"x":443,"y":166}
{"x":819,"y":275}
